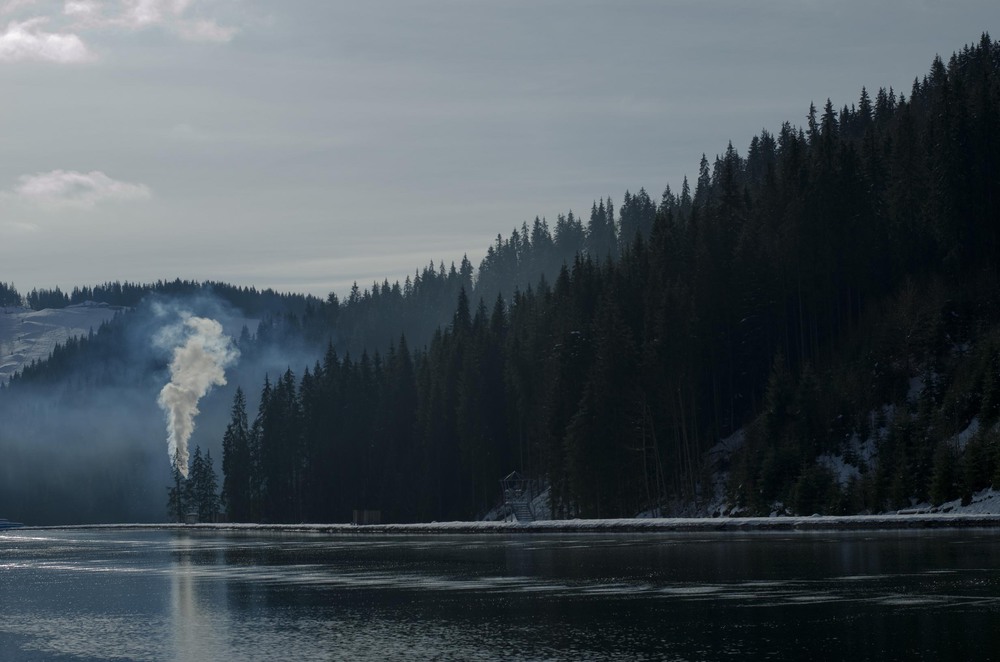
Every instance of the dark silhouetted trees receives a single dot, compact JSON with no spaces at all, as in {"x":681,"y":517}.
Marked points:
{"x":774,"y":302}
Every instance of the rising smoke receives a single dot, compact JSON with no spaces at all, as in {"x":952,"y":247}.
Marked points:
{"x":201,"y":353}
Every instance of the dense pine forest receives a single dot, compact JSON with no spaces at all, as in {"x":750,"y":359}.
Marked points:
{"x":829,"y":294}
{"x":826,"y":302}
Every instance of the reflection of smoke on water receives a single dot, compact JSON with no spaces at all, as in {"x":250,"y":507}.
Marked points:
{"x":198,"y":633}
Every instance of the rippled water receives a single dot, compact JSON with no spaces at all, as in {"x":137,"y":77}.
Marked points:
{"x":179,"y":595}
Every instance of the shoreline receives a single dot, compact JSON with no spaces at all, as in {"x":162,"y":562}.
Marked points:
{"x":652,"y":525}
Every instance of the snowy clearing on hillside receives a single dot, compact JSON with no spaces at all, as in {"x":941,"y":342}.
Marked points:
{"x":30,"y":335}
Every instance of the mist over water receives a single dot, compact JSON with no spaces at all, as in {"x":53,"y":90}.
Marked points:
{"x":201,"y":353}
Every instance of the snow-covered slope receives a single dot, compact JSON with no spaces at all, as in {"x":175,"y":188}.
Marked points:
{"x":27,"y":335}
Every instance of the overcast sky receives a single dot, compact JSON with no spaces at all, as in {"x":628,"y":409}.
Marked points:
{"x":305,"y":144}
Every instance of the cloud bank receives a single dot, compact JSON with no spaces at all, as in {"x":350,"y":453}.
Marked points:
{"x":68,"y":188}
{"x":27,"y":38}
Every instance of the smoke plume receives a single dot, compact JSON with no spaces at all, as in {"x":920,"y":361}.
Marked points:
{"x":198,"y":364}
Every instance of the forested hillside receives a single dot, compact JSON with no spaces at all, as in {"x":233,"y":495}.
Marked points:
{"x":830,"y":296}
{"x":826,"y":301}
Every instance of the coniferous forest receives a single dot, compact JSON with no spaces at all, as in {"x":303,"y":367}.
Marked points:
{"x":830,"y":294}
{"x":827,"y":303}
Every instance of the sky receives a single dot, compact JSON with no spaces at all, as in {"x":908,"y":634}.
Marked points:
{"x":305,"y":144}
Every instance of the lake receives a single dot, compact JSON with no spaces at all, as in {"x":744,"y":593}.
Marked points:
{"x":204,"y":595}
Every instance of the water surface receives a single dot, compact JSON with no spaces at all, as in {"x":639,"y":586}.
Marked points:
{"x":203,"y":595}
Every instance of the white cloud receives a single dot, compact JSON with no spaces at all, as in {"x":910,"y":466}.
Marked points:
{"x":26,"y":41}
{"x":67,"y":188}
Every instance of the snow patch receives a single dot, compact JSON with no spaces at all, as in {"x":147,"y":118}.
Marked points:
{"x":541,"y":506}
{"x":30,"y":335}
{"x":984,"y":502}
{"x":962,"y":438}
{"x":843,"y":471}
{"x":712,"y":500}
{"x":722,"y":451}
{"x":867,"y":451}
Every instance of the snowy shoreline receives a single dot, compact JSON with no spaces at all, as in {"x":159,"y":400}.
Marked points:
{"x":650,"y":525}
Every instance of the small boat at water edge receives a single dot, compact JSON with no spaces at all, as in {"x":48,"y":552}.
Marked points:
{"x":7,"y":524}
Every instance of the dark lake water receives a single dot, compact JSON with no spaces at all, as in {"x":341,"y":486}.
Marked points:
{"x":178,"y":595}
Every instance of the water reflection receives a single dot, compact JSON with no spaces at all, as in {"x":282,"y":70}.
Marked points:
{"x":161,"y":595}
{"x":199,"y":630}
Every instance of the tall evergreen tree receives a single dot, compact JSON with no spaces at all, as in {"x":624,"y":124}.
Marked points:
{"x":236,"y":463}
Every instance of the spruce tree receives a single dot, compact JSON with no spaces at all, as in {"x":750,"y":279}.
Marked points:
{"x":194,"y":493}
{"x":208,"y":491}
{"x":176,"y":497}
{"x":236,"y":463}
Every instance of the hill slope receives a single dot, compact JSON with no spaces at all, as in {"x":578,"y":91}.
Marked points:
{"x":30,"y":335}
{"x":831,"y":297}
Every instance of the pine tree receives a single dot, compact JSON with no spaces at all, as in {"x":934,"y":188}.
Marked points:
{"x":944,"y":479}
{"x":195,"y":484}
{"x":208,"y":491}
{"x":462,"y":323}
{"x":176,"y":506}
{"x":236,"y":463}
{"x":9,"y":296}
